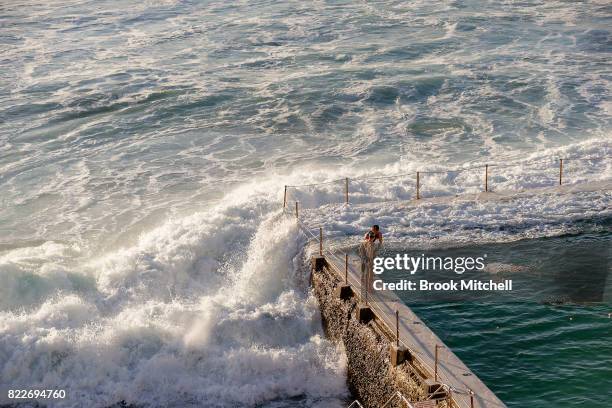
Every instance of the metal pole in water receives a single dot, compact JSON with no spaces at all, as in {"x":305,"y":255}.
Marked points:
{"x":285,"y":198}
{"x":486,"y":177}
{"x":320,"y":240}
{"x":346,"y":269}
{"x":418,"y":185}
{"x":296,"y":210}
{"x":397,"y":328}
{"x":560,"y":171}
{"x":346,"y":182}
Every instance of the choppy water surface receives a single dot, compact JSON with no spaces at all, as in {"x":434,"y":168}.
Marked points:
{"x":143,"y":145}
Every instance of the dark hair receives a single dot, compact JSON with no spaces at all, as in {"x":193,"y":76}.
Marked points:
{"x":376,"y":227}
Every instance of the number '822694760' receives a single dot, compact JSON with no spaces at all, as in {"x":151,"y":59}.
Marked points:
{"x":36,"y":394}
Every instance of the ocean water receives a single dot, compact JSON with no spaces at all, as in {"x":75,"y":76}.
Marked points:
{"x":144,"y":147}
{"x":546,"y":343}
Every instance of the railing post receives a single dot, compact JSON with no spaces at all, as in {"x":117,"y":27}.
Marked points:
{"x":471,"y":398}
{"x":486,"y":178}
{"x":346,"y":183}
{"x":418,"y":185}
{"x":560,"y":171}
{"x":320,"y":240}
{"x":285,"y":198}
{"x":346,"y":269}
{"x":436,"y":364}
{"x":367,"y":285}
{"x":397,"y":342}
{"x":296,"y":210}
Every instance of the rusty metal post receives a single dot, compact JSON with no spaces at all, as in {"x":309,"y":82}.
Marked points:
{"x":296,"y":210}
{"x":320,"y":240}
{"x":560,"y":171}
{"x":285,"y":198}
{"x":346,"y":191}
{"x":486,"y":178}
{"x":397,"y":328}
{"x":346,"y":269}
{"x":418,"y":186}
{"x":436,"y":365}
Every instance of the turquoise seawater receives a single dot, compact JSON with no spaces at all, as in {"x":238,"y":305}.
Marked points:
{"x":548,"y":342}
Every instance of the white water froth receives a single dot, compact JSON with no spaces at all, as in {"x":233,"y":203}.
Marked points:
{"x":174,"y":320}
{"x":524,"y":200}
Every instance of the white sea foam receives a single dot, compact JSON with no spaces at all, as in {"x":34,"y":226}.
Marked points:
{"x":174,"y":320}
{"x":525,"y":201}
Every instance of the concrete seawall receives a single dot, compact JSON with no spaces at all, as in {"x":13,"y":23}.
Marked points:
{"x":371,"y":377}
{"x":377,"y":369}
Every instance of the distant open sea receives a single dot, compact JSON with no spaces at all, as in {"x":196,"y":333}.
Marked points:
{"x":144,"y":146}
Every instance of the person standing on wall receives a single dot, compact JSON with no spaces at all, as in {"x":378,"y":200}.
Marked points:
{"x":372,"y":242}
